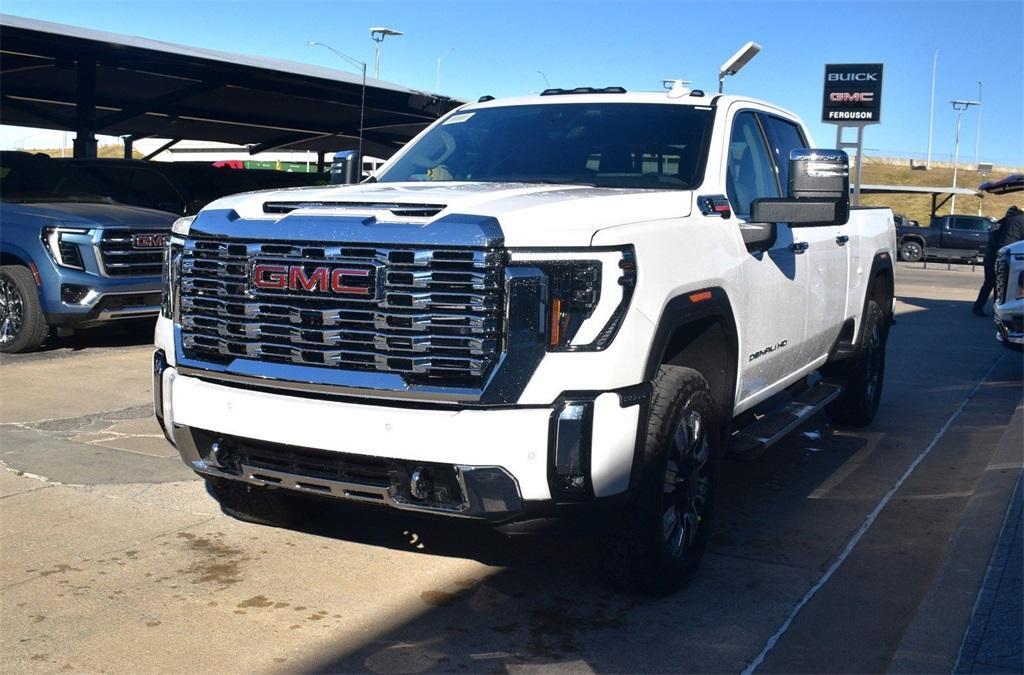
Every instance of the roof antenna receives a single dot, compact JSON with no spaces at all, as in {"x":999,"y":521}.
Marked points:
{"x":676,"y":88}
{"x":736,"y":62}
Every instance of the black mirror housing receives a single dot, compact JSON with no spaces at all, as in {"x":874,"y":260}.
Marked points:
{"x":346,"y":168}
{"x":800,"y":212}
{"x":819,"y":191}
{"x":819,"y":174}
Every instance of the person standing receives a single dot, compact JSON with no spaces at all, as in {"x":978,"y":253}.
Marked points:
{"x":1008,"y":230}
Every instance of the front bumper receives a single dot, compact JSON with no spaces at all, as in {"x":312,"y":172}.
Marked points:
{"x":72,"y":297}
{"x":1009,"y":319}
{"x":493,"y":464}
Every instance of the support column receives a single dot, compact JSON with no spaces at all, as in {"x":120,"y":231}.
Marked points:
{"x":85,"y":109}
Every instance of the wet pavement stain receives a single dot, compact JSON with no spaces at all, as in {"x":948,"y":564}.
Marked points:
{"x":256,"y":601}
{"x":59,"y":569}
{"x":218,"y":562}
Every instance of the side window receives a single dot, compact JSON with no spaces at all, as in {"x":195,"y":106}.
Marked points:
{"x":783,"y":136}
{"x":970,"y":224}
{"x":750,"y":174}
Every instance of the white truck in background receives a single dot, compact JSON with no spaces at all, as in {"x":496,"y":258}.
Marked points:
{"x":550,"y":313}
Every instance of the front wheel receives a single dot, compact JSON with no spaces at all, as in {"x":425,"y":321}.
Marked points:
{"x":665,"y":536}
{"x":911,"y":251}
{"x":22,"y":325}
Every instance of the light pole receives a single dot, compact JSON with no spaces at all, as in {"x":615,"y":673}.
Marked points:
{"x":977,"y":140}
{"x":547,"y":85}
{"x":959,"y":105}
{"x":931,"y":112}
{"x":362,"y":99}
{"x":377,"y":34}
{"x":437,"y":86}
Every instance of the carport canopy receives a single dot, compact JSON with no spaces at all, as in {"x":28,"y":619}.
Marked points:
{"x":54,"y":76}
{"x":935,"y":192}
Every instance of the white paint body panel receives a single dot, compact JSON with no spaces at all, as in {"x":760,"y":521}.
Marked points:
{"x":514,"y":439}
{"x":776,"y":296}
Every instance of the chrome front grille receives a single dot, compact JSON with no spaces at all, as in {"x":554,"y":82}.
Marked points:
{"x":1002,"y":269}
{"x":429,"y":314}
{"x":132,"y":253}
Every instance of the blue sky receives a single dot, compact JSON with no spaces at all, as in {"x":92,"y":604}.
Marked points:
{"x":499,"y":47}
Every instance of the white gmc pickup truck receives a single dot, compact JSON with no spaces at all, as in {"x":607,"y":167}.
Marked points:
{"x":551,"y":313}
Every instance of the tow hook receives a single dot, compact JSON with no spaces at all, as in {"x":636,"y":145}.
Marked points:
{"x":419,"y":484}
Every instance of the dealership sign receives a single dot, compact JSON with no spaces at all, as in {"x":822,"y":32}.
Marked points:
{"x":853,"y":93}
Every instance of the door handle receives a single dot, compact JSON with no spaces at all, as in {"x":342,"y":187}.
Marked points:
{"x":799,"y":246}
{"x":842,"y":239}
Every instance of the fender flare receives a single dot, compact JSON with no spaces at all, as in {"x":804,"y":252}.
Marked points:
{"x":9,"y":250}
{"x":689,"y":308}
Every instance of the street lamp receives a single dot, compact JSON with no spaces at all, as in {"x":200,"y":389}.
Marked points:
{"x":362,"y":100}
{"x":931,"y":112}
{"x":378,"y":34}
{"x":736,"y":62}
{"x":977,"y":139}
{"x":437,"y":87}
{"x":959,"y":105}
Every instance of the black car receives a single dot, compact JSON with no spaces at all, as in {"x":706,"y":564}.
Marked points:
{"x":954,"y":236}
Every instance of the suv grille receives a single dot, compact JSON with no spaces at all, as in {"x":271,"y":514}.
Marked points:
{"x":1002,"y":269}
{"x":428,"y":314}
{"x":133,"y":253}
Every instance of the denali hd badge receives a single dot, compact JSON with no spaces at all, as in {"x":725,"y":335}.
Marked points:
{"x":156,"y":240}
{"x":324,"y":280}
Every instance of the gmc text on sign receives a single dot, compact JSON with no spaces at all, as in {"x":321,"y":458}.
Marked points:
{"x":853,"y":93}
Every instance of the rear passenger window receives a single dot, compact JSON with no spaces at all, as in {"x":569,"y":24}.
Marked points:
{"x":783,"y":136}
{"x":750,"y":174}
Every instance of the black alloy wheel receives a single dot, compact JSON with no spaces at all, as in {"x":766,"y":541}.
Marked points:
{"x":687,"y":485}
{"x":12,"y":311}
{"x":911,"y":251}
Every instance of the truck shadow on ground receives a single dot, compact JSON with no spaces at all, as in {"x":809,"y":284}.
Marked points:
{"x":113,"y":335}
{"x":544,"y":603}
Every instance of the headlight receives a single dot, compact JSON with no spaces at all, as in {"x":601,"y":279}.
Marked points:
{"x":587,"y":296}
{"x":182,"y":226}
{"x":171,"y":277}
{"x":65,"y":252}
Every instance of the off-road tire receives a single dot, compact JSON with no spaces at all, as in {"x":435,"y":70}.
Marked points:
{"x":18,"y":285}
{"x":862,"y":375}
{"x":259,"y":505}
{"x":911,"y":251}
{"x":643,"y":556}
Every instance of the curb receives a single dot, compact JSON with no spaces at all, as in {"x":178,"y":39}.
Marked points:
{"x":932,"y":640}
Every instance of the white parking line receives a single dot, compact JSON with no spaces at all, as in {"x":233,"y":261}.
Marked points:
{"x":855,"y":539}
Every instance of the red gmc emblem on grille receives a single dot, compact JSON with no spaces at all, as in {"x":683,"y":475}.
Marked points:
{"x":149,"y":240}
{"x":322,"y":280}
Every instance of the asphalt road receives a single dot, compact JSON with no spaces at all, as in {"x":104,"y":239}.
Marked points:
{"x":836,"y":551}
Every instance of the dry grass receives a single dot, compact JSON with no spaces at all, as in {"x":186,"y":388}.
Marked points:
{"x":113,"y":150}
{"x":919,"y":207}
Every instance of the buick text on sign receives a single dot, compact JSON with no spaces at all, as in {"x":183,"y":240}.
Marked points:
{"x":853,"y":93}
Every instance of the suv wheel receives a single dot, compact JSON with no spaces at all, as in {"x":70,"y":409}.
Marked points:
{"x":911,"y":251}
{"x":666,"y":533}
{"x":22,"y":326}
{"x":862,"y":375}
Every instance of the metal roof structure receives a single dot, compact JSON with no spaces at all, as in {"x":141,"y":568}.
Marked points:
{"x":54,"y":76}
{"x":935,"y":192}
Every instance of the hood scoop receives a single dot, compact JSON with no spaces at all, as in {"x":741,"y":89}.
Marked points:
{"x":401,"y":210}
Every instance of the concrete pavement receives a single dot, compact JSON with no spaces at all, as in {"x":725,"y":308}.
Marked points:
{"x":114,"y":558}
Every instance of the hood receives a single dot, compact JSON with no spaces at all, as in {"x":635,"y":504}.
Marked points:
{"x":529,"y":214}
{"x":89,"y":214}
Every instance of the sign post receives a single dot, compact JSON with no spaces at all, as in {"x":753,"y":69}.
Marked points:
{"x":852,"y":100}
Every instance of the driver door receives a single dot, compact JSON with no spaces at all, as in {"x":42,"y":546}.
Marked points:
{"x":773,"y":303}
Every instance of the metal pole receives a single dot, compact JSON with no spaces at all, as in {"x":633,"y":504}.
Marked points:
{"x":860,"y":163}
{"x":376,"y":62}
{"x":931,"y":112}
{"x":977,"y":140}
{"x":956,"y":159}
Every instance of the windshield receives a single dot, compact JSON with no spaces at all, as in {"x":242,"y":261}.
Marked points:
{"x":622,"y":145}
{"x":28,"y":179}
